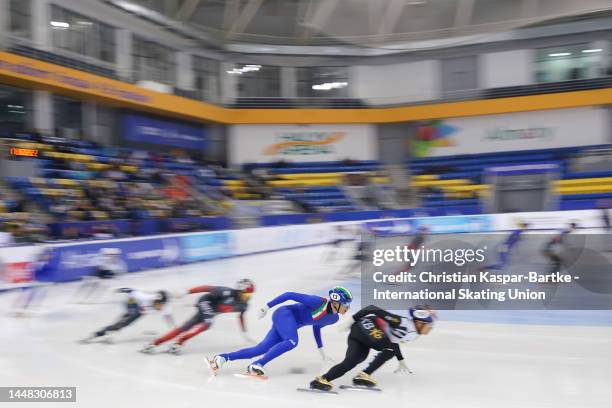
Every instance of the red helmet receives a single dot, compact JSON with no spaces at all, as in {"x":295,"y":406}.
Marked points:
{"x":245,"y":285}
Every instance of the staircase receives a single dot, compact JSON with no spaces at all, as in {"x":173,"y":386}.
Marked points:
{"x":400,"y":177}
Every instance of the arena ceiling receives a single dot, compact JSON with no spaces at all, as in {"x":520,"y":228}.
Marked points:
{"x":361,"y":22}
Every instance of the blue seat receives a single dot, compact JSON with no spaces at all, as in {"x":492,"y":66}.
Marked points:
{"x":593,"y":196}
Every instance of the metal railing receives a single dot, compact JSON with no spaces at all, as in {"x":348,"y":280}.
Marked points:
{"x":88,"y":64}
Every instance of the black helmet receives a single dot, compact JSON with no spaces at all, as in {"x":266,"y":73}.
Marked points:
{"x":162,"y":297}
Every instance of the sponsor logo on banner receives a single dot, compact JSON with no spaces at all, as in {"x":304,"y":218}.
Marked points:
{"x":70,"y":262}
{"x":169,"y":252}
{"x":435,"y":225}
{"x":505,"y":134}
{"x":511,"y":132}
{"x":455,"y":224}
{"x":391,"y":227}
{"x":164,"y":132}
{"x":304,"y":143}
{"x":201,"y":247}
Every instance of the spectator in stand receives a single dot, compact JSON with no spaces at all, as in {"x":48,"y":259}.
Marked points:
{"x":115,"y":173}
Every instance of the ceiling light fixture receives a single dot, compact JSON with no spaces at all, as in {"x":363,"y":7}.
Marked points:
{"x":559,"y":54}
{"x":59,"y":24}
{"x":329,"y":86}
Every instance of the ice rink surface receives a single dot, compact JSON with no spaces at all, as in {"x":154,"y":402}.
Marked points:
{"x":461,"y":364}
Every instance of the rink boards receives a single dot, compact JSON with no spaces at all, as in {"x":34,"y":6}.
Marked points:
{"x":70,"y":261}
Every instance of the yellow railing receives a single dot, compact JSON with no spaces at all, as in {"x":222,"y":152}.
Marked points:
{"x":27,"y":72}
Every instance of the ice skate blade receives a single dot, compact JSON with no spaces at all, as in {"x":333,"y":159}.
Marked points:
{"x":316,"y":391}
{"x":359,"y":388}
{"x":253,"y":376}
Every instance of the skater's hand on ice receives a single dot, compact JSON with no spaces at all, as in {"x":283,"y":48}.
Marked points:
{"x":325,"y":358}
{"x":262,"y":312}
{"x":402,"y":368}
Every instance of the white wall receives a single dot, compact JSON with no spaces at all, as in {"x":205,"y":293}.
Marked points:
{"x":396,"y":83}
{"x":507,"y":68}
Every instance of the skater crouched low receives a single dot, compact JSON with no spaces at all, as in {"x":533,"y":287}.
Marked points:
{"x":308,"y":310}
{"x":137,"y":304}
{"x":377,"y":329}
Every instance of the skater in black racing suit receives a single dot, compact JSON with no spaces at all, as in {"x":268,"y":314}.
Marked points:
{"x":377,"y":329}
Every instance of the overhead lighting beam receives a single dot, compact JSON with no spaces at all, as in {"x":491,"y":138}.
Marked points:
{"x":187,"y":9}
{"x":463,"y":13}
{"x":246,"y":15}
{"x":321,"y":15}
{"x":391,"y":17}
{"x":230,"y":13}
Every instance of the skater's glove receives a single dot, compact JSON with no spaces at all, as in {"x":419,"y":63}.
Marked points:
{"x":402,"y":368}
{"x":325,"y":358}
{"x":262,"y":312}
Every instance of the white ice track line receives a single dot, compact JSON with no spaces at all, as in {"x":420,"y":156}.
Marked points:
{"x":459,"y":365}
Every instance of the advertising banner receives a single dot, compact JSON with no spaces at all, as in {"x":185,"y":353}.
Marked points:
{"x":145,"y":129}
{"x":434,"y":225}
{"x":202,"y":247}
{"x":511,"y":132}
{"x":70,"y":262}
{"x":307,"y":143}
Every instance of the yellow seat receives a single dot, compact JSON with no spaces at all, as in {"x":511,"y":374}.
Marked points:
{"x":424,"y":177}
{"x":98,"y":166}
{"x":440,"y":183}
{"x":466,"y":188}
{"x":603,"y":188}
{"x":38,"y":181}
{"x":309,"y":176}
{"x":233,"y":182}
{"x":67,"y":182}
{"x":129,"y":169}
{"x":235,"y":188}
{"x":583,"y":182}
{"x":305,"y":183}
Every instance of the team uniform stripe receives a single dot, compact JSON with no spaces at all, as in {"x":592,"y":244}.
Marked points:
{"x":320,"y":311}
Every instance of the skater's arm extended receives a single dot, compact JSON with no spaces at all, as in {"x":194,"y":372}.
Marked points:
{"x":316,"y":331}
{"x":200,"y":289}
{"x":397,"y":351}
{"x":390,"y":318}
{"x":308,"y":300}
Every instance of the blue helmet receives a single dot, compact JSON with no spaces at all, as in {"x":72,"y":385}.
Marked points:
{"x":341,"y":294}
{"x":421,"y":314}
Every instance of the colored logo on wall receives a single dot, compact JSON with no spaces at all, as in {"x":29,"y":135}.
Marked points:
{"x":304,"y":143}
{"x":432,"y":135}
